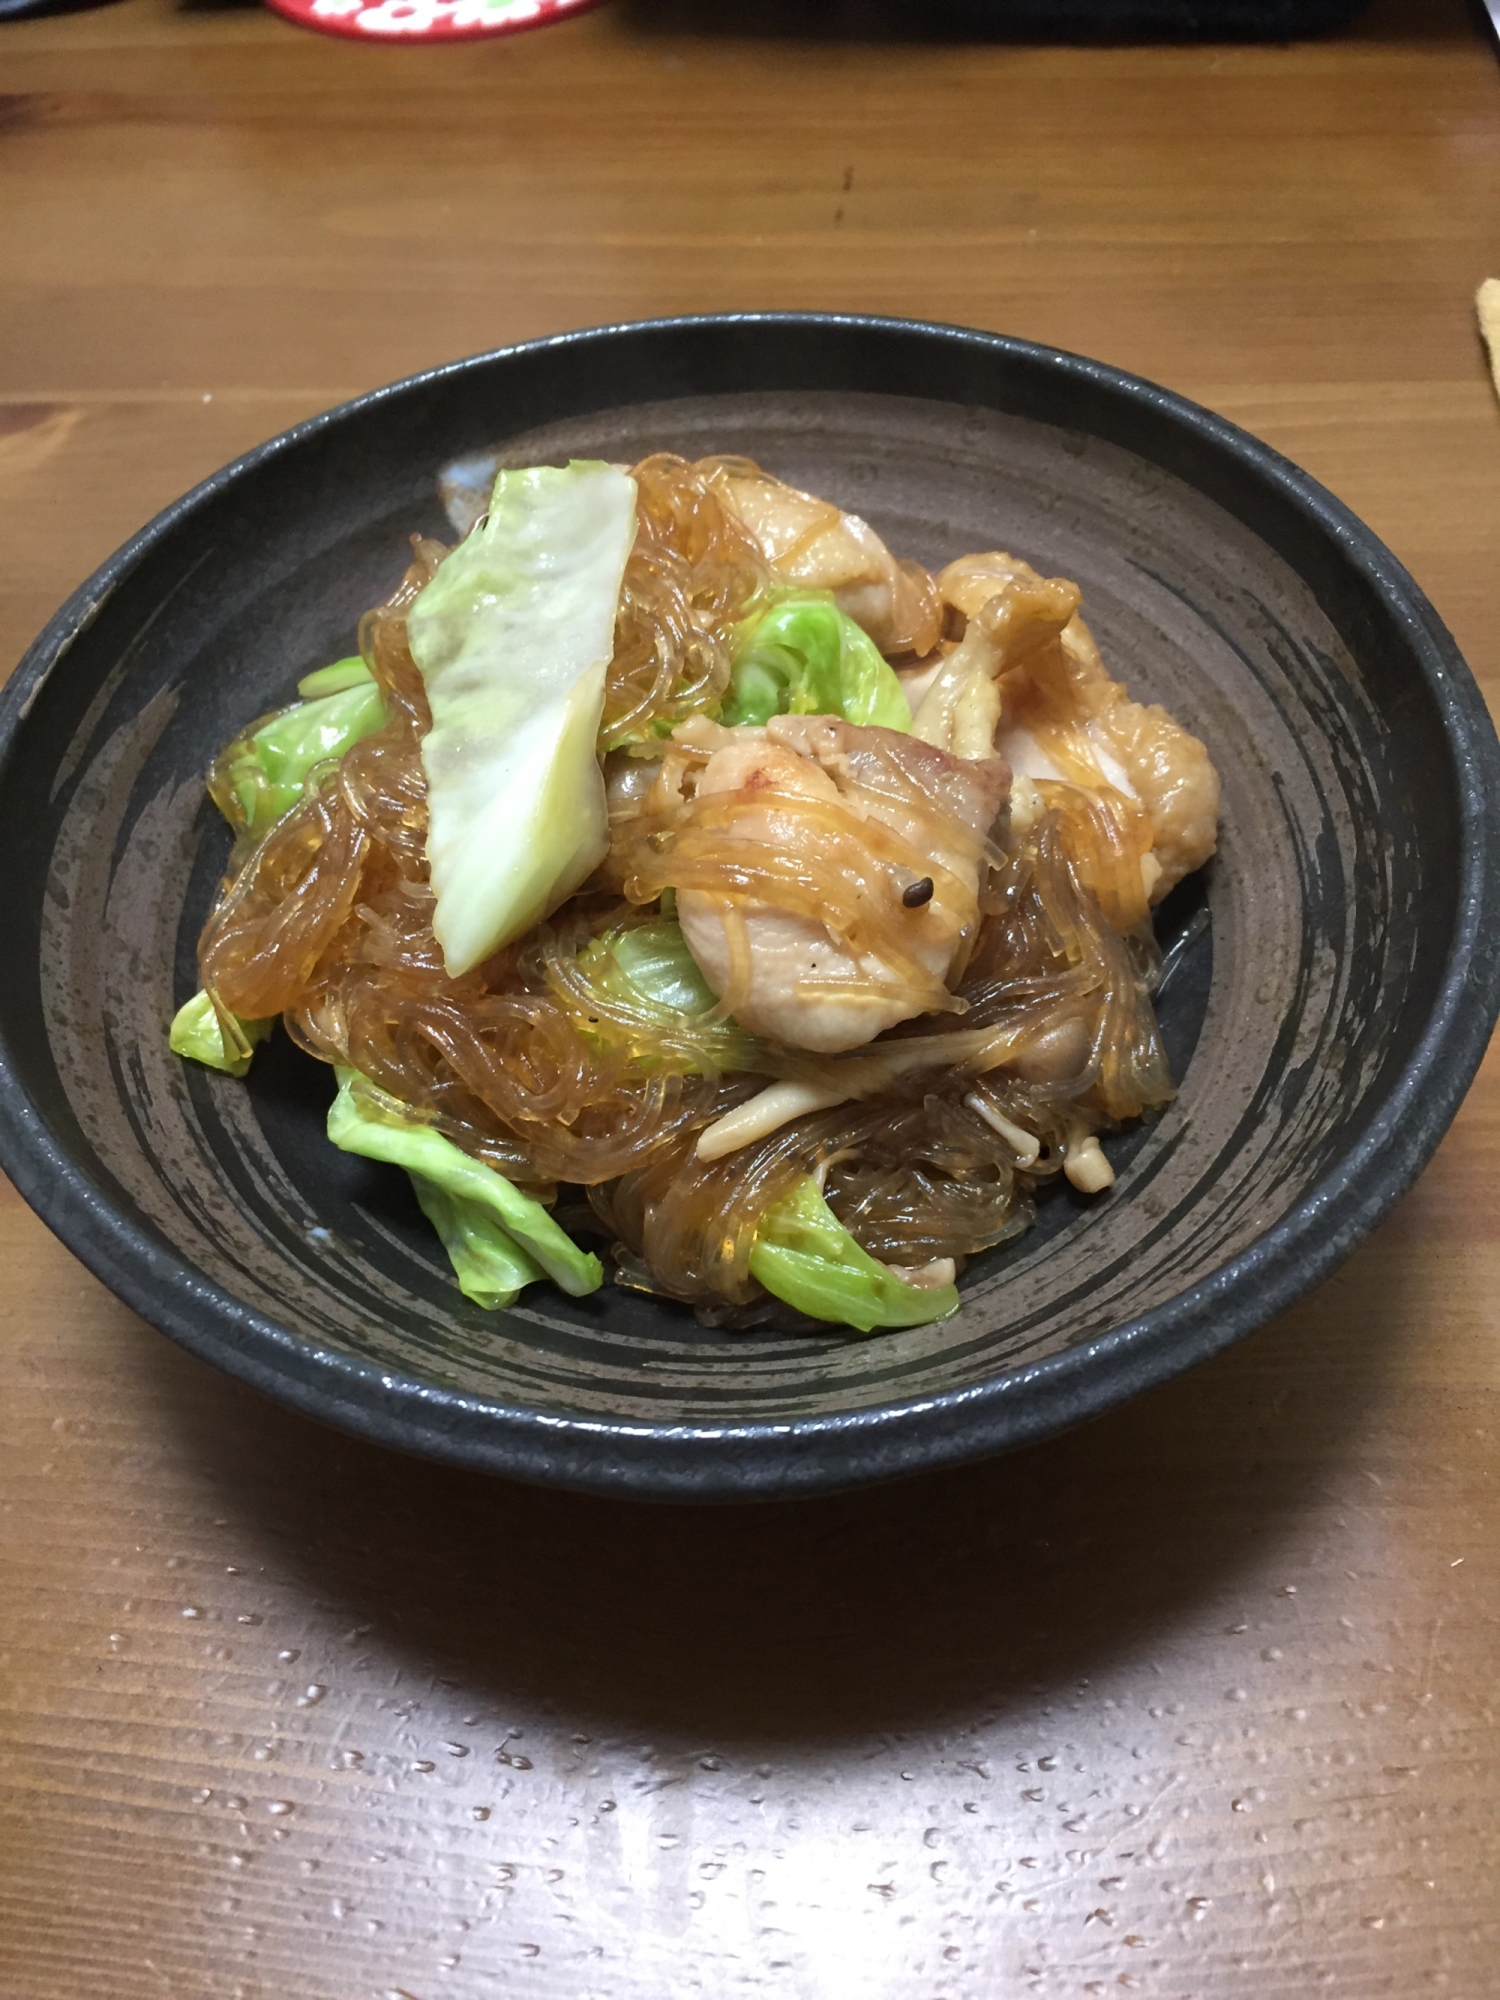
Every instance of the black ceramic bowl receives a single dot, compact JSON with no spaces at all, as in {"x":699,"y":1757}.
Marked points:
{"x":1335,"y":982}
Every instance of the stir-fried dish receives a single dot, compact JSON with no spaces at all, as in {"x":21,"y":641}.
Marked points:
{"x":673,"y":847}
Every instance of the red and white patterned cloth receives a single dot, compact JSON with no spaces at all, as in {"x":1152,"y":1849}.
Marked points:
{"x":425,"y":20}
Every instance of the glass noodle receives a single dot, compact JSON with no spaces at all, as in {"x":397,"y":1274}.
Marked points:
{"x":1048,"y":1034}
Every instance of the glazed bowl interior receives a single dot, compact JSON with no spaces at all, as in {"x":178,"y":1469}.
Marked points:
{"x":1312,"y":1006}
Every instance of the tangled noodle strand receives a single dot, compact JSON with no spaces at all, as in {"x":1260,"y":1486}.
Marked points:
{"x":327,"y":921}
{"x":695,"y":571}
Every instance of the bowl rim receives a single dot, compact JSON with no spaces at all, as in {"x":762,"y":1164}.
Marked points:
{"x":821,"y":1453}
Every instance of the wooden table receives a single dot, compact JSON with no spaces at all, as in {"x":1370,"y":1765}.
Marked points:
{"x":1199,"y":1701}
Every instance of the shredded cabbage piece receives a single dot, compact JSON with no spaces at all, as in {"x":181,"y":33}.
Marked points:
{"x":805,"y":657}
{"x":214,"y":1037}
{"x":513,"y":637}
{"x":337,"y":679}
{"x":637,"y":988}
{"x":805,"y":1256}
{"x":265,"y":772}
{"x":505,"y":1239}
{"x":490,"y":1265}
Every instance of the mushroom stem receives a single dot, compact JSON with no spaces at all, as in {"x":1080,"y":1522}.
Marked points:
{"x":1086,"y":1167}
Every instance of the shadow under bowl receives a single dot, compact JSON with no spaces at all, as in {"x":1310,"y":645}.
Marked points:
{"x":1335,"y":983}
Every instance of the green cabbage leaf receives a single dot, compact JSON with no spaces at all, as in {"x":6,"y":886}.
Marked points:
{"x":804,"y":1255}
{"x":512,"y":637}
{"x":637,"y":988}
{"x":497,"y":1238}
{"x":264,"y":773}
{"x":491,"y":1267}
{"x":804,"y":657}
{"x":337,"y":679}
{"x":209,"y":1035}
{"x":255,"y":782}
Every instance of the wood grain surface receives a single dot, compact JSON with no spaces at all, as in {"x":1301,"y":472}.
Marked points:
{"x":1198,"y":1701}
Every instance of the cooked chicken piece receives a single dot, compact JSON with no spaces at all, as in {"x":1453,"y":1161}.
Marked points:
{"x":974,"y":582}
{"x":916,"y":680}
{"x":1010,"y":612}
{"x":1164,"y":766}
{"x":898,"y":827}
{"x":908,"y":782}
{"x":1059,"y":716}
{"x":811,"y":542}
